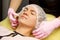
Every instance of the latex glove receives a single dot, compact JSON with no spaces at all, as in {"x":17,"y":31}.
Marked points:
{"x":46,"y":28}
{"x":12,"y":16}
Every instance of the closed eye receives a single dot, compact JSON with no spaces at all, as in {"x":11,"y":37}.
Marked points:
{"x":25,"y":9}
{"x":33,"y":13}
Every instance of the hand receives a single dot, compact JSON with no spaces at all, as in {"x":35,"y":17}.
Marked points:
{"x":44,"y":30}
{"x":13,"y":17}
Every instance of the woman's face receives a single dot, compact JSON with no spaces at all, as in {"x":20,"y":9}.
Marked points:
{"x":28,"y":16}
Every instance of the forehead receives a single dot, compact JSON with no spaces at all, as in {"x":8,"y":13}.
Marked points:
{"x":30,"y":7}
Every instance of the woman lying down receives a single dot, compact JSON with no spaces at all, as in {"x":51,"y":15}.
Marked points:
{"x":30,"y":18}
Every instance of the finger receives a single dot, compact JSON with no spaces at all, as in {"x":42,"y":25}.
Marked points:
{"x":14,"y":24}
{"x":36,"y":30}
{"x":38,"y":33}
{"x":43,"y":36}
{"x":16,"y":14}
{"x":10,"y":11}
{"x":14,"y":21}
{"x":40,"y":36}
{"x":12,"y":18}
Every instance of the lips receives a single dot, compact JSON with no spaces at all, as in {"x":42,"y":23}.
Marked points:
{"x":24,"y":16}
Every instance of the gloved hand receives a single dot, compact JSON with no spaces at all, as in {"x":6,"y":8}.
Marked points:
{"x":46,"y":28}
{"x":13,"y":17}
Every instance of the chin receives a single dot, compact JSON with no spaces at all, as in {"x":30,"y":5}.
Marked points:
{"x":25,"y":23}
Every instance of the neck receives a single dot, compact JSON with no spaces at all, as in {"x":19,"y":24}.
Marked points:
{"x":24,"y":30}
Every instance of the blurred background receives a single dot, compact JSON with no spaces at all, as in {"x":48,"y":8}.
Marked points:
{"x":4,"y":5}
{"x":50,"y":6}
{"x":0,"y":10}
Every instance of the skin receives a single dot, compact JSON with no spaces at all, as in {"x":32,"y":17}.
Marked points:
{"x":15,"y":4}
{"x":27,"y":21}
{"x":27,"y":16}
{"x":59,"y":17}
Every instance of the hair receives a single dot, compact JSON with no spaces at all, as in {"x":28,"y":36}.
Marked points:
{"x":41,"y":15}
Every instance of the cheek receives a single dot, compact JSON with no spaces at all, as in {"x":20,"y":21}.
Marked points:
{"x":21,"y":20}
{"x":32,"y":21}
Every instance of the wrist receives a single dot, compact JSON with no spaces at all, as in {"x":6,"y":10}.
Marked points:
{"x":56,"y":23}
{"x":11,"y":9}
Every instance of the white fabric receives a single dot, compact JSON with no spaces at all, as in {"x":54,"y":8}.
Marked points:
{"x":4,"y":31}
{"x":18,"y":37}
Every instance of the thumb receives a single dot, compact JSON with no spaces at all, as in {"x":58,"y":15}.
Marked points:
{"x":15,"y":15}
{"x":36,"y":30}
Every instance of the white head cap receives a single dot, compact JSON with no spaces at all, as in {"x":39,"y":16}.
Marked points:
{"x":41,"y":15}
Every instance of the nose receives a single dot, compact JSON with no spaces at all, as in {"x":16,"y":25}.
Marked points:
{"x":26,"y":13}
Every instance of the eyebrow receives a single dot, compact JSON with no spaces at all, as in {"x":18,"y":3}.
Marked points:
{"x":30,"y":10}
{"x":33,"y":11}
{"x":26,"y":8}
